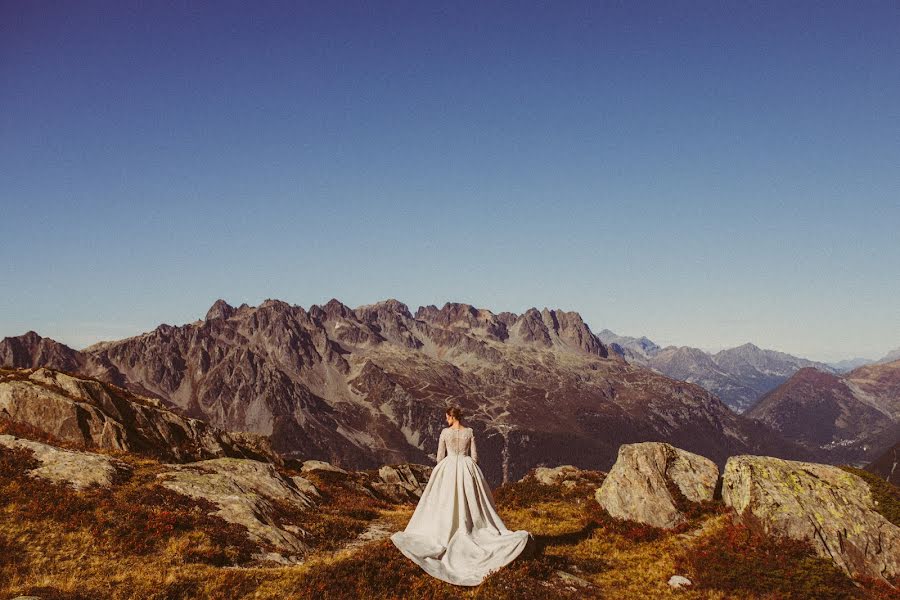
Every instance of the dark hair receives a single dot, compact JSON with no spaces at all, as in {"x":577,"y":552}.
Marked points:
{"x":455,"y":412}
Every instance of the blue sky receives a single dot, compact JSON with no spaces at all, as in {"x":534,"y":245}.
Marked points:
{"x":705,"y":174}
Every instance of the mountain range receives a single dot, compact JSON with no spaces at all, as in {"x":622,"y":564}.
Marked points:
{"x":738,"y":376}
{"x":368,"y":386}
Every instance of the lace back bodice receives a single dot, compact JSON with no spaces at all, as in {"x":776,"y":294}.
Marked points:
{"x":457,"y":442}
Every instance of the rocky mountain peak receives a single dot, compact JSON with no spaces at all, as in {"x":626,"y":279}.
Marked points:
{"x":335,"y":308}
{"x":390,"y":306}
{"x":275,"y":304}
{"x":219,"y":310}
{"x":549,"y":327}
{"x":31,"y":349}
{"x":456,"y":314}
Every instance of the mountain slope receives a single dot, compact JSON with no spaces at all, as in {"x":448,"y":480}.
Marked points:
{"x":368,"y":386}
{"x":853,"y":417}
{"x":888,"y":465}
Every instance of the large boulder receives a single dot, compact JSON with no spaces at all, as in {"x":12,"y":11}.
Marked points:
{"x":78,"y":469}
{"x":824,"y":504}
{"x":250,"y":493}
{"x":637,"y":486}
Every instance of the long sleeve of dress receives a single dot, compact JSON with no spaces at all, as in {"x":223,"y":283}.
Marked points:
{"x":473,"y":449}
{"x":442,"y":448}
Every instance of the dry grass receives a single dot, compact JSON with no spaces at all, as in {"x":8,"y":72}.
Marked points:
{"x":47,"y":553}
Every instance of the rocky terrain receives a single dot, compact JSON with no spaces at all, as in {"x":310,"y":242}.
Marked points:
{"x":738,"y":376}
{"x":113,"y":524}
{"x":87,"y":413}
{"x":853,"y":417}
{"x":368,"y":386}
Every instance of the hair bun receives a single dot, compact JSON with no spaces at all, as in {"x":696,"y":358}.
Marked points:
{"x":455,"y":412}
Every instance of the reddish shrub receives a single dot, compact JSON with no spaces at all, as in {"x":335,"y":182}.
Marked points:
{"x":134,"y":518}
{"x":381,"y":571}
{"x":739,"y":558}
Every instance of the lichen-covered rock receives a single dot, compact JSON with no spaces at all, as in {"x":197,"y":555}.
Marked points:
{"x":636,"y":487}
{"x":401,"y":483}
{"x":824,"y":504}
{"x":80,"y":469}
{"x":248,"y":493}
{"x":554,"y":475}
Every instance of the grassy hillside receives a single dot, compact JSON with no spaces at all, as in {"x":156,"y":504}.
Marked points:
{"x":140,"y":540}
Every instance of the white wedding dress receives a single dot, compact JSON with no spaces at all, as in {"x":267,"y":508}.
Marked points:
{"x":455,"y":533}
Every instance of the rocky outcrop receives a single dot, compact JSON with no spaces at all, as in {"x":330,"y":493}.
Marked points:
{"x":31,"y":351}
{"x":637,"y":486}
{"x":79,"y":469}
{"x":567,"y":476}
{"x":320,"y":465}
{"x":401,"y":483}
{"x":248,"y":493}
{"x":828,"y":506}
{"x":94,"y":414}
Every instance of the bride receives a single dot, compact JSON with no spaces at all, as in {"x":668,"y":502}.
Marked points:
{"x":455,"y":533}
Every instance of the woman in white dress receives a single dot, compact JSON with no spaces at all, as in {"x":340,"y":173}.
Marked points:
{"x":455,"y":533}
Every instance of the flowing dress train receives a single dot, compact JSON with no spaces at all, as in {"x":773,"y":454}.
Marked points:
{"x":455,"y":533}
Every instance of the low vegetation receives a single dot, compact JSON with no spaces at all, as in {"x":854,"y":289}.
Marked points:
{"x":139,"y":540}
{"x":737,"y":560}
{"x":886,"y":495}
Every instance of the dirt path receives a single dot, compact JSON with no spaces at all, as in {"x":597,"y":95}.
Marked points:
{"x":380,"y":528}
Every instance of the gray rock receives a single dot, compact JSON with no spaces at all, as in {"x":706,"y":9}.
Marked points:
{"x":79,"y":469}
{"x":246,"y":492}
{"x":401,"y":483}
{"x":573,"y":580}
{"x":553,"y":475}
{"x":824,"y":504}
{"x":320,"y":465}
{"x":679,"y":581}
{"x":635,"y":488}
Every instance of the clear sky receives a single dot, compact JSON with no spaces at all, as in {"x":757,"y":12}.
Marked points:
{"x":705,"y":174}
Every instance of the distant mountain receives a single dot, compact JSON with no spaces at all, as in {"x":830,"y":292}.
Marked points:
{"x":368,"y":386}
{"x":738,"y":376}
{"x":696,"y":366}
{"x":629,"y":347}
{"x":845,"y":366}
{"x":852,"y":417}
{"x":889,"y":357}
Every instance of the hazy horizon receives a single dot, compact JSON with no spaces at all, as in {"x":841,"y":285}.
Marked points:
{"x":702,"y":174}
